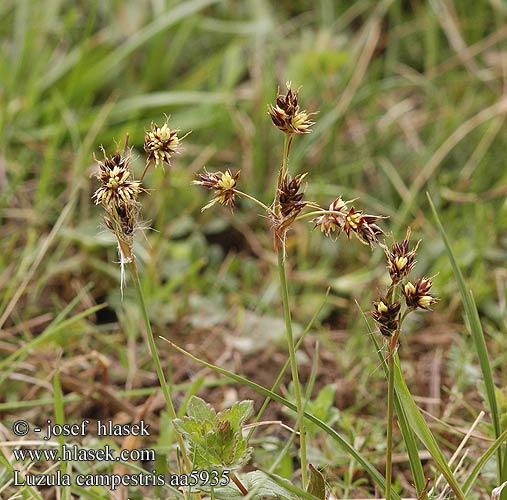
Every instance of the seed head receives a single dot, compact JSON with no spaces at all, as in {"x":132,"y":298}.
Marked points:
{"x":224,"y":185}
{"x":387,"y":316}
{"x":286,"y":115}
{"x":116,"y":186}
{"x":290,"y":197}
{"x":417,"y":293}
{"x":331,"y":222}
{"x":341,"y":218}
{"x":160,"y":144}
{"x":399,"y":259}
{"x":363,"y":226}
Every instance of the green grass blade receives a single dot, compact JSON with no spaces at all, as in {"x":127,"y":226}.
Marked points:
{"x":420,"y":427}
{"x":344,"y":444}
{"x":7,"y":473}
{"x":110,"y":65}
{"x":155,"y":100}
{"x":405,"y":428}
{"x":482,"y":461}
{"x":282,"y":371}
{"x":477,"y":333}
{"x":8,"y":365}
{"x":291,"y":487}
{"x":65,"y":467}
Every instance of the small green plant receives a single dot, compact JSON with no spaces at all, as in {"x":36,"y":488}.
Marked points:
{"x":215,"y":440}
{"x":118,"y":194}
{"x":284,"y":210}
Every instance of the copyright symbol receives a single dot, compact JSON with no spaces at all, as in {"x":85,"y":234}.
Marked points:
{"x":20,"y":428}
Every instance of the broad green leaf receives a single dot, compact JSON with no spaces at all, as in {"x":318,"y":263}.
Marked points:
{"x":238,"y":413}
{"x":215,"y":441}
{"x":260,"y":486}
{"x":200,"y":410}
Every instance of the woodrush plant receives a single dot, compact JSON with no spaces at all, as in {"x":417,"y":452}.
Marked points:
{"x":118,"y":194}
{"x":215,"y":440}
{"x":389,"y":313}
{"x":403,"y":297}
{"x":286,"y":209}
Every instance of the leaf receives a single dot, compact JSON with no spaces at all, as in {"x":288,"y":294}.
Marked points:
{"x":237,"y":414}
{"x":317,"y":483}
{"x":323,"y":407}
{"x":405,"y":428}
{"x":260,"y":484}
{"x":215,"y":441}
{"x":421,"y":429}
{"x":475,"y":327}
{"x":200,"y":410}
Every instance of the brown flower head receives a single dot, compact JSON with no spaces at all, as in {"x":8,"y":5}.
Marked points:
{"x":287,"y":116}
{"x":160,"y":143}
{"x":363,"y":226}
{"x":387,"y":316}
{"x":224,"y":185}
{"x":290,"y":197}
{"x":399,"y":259}
{"x":417,"y":293}
{"x":331,"y":222}
{"x":290,"y":204}
{"x":116,"y":186}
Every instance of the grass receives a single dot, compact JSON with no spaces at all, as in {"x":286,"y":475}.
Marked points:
{"x":411,"y":100}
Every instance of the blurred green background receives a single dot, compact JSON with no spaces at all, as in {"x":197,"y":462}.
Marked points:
{"x":410,"y":98}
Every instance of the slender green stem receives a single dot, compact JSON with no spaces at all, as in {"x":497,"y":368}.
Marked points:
{"x":309,"y":215}
{"x":293,"y":363}
{"x":280,"y":250}
{"x":282,"y":370}
{"x":390,"y":417}
{"x":392,"y":297}
{"x":156,"y":360}
{"x":251,"y":198}
{"x":287,"y":141}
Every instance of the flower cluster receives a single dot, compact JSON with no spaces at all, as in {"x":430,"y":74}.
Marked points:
{"x":289,"y":197}
{"x":118,"y":191}
{"x":160,"y":143}
{"x":400,"y":259}
{"x":340,"y":218}
{"x":417,"y":293}
{"x":224,"y":185}
{"x":287,"y":116}
{"x":288,"y":203}
{"x":287,"y":206}
{"x":387,"y":311}
{"x":118,"y":194}
{"x":117,"y":188}
{"x":386,"y":315}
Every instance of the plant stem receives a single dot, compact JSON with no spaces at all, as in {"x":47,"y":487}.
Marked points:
{"x":287,"y":141}
{"x":235,"y":479}
{"x":390,"y":413}
{"x":280,"y":250}
{"x":156,"y":360}
{"x":251,"y":198}
{"x":293,"y":363}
